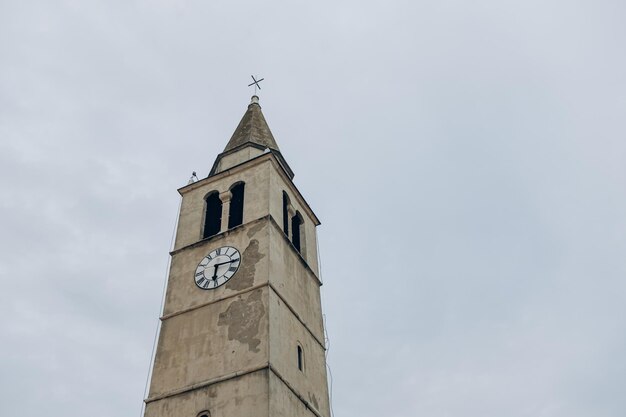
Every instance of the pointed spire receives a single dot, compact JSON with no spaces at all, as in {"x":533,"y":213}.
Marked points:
{"x":252,"y":132}
{"x":252,"y":128}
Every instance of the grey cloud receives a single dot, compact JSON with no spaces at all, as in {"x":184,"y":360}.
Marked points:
{"x":466,"y":161}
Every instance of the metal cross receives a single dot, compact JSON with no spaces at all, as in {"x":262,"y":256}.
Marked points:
{"x":255,"y":83}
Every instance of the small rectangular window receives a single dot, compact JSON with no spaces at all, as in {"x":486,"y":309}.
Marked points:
{"x":300,"y":359}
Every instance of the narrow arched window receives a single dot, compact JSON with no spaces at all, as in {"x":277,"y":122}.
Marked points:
{"x":286,"y":213}
{"x":204,"y":414}
{"x":213,"y":215}
{"x":296,"y":223}
{"x":235,"y":215}
{"x":300,"y":358}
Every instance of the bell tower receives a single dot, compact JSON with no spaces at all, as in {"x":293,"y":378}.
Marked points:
{"x":242,"y":332}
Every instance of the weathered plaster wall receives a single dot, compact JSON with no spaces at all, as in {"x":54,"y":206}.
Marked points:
{"x":238,"y":157}
{"x":246,"y":396}
{"x":294,"y":282}
{"x":286,"y":333}
{"x":212,"y":341}
{"x":283,"y":402}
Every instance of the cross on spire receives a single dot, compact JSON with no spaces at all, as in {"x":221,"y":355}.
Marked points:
{"x":255,"y":83}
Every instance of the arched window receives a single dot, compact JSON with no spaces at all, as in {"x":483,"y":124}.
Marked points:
{"x":213,"y":215}
{"x":286,"y":213}
{"x":296,"y":223}
{"x":235,"y":215}
{"x":300,"y":358}
{"x":204,"y":414}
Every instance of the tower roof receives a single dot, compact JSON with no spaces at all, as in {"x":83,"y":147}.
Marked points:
{"x":252,"y":132}
{"x":252,"y":128}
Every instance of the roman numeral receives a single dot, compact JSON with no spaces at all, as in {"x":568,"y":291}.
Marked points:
{"x":219,"y":251}
{"x":232,"y":268}
{"x":200,"y":274}
{"x":201,"y":281}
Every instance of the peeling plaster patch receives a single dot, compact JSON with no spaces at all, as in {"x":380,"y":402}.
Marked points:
{"x":256,"y":228}
{"x":244,"y":278}
{"x":243,"y":317}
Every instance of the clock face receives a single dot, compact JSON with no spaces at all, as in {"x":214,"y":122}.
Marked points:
{"x":217,"y":267}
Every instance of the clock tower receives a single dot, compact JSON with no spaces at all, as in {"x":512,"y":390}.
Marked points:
{"x":242,"y":333}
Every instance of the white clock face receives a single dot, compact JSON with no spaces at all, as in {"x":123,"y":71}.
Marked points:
{"x":217,"y":267}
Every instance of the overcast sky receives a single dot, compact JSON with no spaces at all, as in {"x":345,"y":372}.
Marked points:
{"x":466,"y":159}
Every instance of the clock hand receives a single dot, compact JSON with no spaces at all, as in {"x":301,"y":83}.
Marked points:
{"x":224,"y":263}
{"x":214,"y":278}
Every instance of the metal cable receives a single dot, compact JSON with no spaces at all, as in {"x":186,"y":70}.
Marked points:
{"x":158,"y":326}
{"x":327,"y":339}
